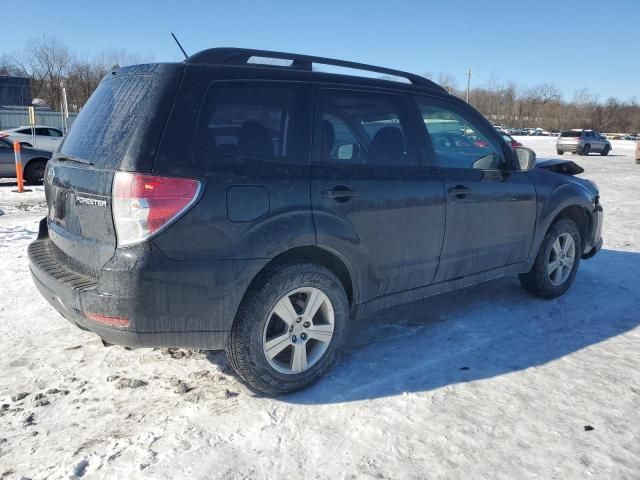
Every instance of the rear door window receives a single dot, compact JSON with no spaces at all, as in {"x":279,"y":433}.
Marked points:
{"x":362,"y":127}
{"x":250,"y":121}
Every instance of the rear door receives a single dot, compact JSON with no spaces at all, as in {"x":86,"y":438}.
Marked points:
{"x":372,"y":200}
{"x":117,"y":129}
{"x":490,"y":207}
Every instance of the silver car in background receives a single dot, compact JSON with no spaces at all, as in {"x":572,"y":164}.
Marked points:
{"x":46,"y":138}
{"x":583,"y":142}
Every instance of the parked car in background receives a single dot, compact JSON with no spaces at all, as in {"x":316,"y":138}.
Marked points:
{"x":638,"y":152}
{"x":583,"y":142}
{"x":34,"y":162}
{"x":215,"y":223}
{"x":511,"y":141}
{"x":539,"y":132}
{"x":46,"y":138}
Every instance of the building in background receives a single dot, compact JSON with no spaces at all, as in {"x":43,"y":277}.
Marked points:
{"x":15,"y":91}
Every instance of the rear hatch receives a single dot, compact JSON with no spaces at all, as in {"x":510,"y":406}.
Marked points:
{"x":119,"y":128}
{"x":571,"y":137}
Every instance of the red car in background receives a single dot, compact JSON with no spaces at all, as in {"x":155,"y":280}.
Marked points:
{"x":511,"y":141}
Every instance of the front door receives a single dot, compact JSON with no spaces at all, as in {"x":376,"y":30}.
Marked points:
{"x":490,"y":207}
{"x":372,"y":200}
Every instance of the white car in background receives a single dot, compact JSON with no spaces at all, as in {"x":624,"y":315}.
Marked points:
{"x":46,"y":138}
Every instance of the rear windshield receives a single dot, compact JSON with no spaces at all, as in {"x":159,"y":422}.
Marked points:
{"x":572,"y":133}
{"x":106,"y":124}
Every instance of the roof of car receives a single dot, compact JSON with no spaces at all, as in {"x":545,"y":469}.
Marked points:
{"x":303,"y":63}
{"x":35,"y":126}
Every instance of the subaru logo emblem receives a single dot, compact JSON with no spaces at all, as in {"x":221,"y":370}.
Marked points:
{"x":50,"y":175}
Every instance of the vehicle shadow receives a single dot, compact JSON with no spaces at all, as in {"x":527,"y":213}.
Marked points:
{"x":481,"y":332}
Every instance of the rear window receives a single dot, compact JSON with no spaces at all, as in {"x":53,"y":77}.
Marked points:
{"x":572,"y":133}
{"x":107,"y":123}
{"x":250,"y":121}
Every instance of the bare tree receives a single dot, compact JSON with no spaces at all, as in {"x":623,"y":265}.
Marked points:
{"x":448,"y":82}
{"x":47,"y":61}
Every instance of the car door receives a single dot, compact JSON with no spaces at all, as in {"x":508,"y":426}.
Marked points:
{"x":44,"y":139}
{"x":490,"y":207}
{"x":373,"y":202}
{"x":601,"y":141}
{"x":55,"y":137}
{"x":7,"y":160}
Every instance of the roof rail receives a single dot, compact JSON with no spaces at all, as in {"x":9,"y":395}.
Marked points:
{"x":241,"y":56}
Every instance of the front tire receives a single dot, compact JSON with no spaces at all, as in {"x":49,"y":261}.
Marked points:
{"x":586,"y":150}
{"x":606,"y":151}
{"x":560,"y":152}
{"x":556,"y":265}
{"x":290,"y":327}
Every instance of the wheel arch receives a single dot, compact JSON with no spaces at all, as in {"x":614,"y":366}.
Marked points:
{"x":321,"y":256}
{"x":578,"y":214}
{"x":35,"y":159}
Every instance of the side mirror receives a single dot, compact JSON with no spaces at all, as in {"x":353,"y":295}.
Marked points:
{"x":526,"y":159}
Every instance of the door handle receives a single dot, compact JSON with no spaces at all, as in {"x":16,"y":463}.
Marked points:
{"x":459,"y":191}
{"x":339,"y":193}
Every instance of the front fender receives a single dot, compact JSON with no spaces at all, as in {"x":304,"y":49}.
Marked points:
{"x":555,"y":194}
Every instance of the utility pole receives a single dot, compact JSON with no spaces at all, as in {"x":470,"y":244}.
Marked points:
{"x":65,"y":109}
{"x":469,"y":72}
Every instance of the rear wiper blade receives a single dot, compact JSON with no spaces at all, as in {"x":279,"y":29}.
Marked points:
{"x":70,"y":158}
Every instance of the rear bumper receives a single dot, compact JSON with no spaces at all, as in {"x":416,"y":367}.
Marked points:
{"x":569,"y":147}
{"x":168,"y":303}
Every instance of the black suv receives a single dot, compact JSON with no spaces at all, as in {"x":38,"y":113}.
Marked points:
{"x":241,"y":200}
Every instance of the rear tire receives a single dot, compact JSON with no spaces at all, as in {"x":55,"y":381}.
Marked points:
{"x":265,"y":348}
{"x":34,"y":173}
{"x":586,"y":150}
{"x":25,"y":144}
{"x":560,"y":152}
{"x":606,"y":151}
{"x":556,"y":265}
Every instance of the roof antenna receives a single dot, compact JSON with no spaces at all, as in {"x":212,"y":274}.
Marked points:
{"x":176,"y":39}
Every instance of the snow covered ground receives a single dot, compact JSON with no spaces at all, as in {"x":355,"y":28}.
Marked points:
{"x":484,"y":383}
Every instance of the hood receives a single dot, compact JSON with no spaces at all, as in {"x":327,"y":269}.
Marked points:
{"x":564,"y":167}
{"x":569,"y":169}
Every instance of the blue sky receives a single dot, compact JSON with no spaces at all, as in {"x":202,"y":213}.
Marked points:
{"x":573,"y":44}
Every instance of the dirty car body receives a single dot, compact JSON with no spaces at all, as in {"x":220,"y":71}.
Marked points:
{"x":393,"y":218}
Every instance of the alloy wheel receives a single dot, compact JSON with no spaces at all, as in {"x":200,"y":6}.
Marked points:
{"x":298,"y":330}
{"x":561,"y":259}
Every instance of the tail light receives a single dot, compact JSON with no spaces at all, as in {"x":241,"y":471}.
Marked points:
{"x":144,"y":205}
